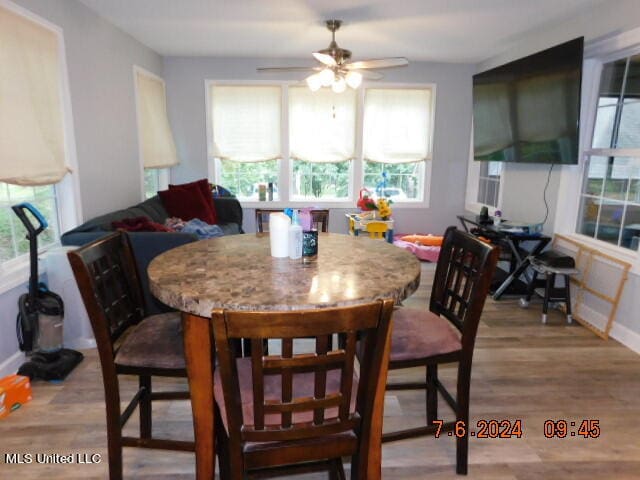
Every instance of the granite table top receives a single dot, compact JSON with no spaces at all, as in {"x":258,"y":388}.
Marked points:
{"x":239,"y":273}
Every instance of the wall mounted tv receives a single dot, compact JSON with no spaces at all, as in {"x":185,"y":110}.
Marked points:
{"x":529,"y":110}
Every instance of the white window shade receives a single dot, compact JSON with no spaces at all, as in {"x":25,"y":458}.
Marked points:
{"x":31,"y":118}
{"x":157,"y":147}
{"x":492,"y":130}
{"x":397,"y":125}
{"x":322,"y":125}
{"x":246,"y":122}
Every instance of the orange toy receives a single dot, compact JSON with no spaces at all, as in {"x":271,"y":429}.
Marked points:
{"x":426,"y":240}
{"x":15,"y":390}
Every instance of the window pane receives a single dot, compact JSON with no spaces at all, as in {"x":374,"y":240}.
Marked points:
{"x":617,"y":181}
{"x":482,"y":191}
{"x":603,"y":130}
{"x":13,"y":240}
{"x":610,"y":219}
{"x":629,"y":130}
{"x":611,"y":78}
{"x":399,"y":181}
{"x":596,"y":172}
{"x":327,"y":181}
{"x":631,"y":229}
{"x":589,"y":210}
{"x":243,"y":179}
{"x":632,"y":84}
{"x":151,"y":182}
{"x":492,"y":193}
{"x":634,"y":178}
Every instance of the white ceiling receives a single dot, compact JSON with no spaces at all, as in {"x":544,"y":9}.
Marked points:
{"x":430,"y":30}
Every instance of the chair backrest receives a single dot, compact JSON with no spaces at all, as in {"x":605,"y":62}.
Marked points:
{"x":294,"y":412}
{"x":463,"y":276}
{"x":109,"y":283}
{"x":377,"y":229}
{"x":319,"y":219}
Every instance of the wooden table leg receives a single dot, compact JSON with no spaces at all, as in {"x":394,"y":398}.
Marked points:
{"x":198,"y":344}
{"x":373,"y":469}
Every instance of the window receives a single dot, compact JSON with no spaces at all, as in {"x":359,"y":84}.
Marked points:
{"x":320,"y":146}
{"x":395,"y":145}
{"x":489,"y":183}
{"x":36,"y":145}
{"x":157,"y":149}
{"x":322,"y":127}
{"x":610,"y":194}
{"x":246,"y":137}
{"x":155,"y":179}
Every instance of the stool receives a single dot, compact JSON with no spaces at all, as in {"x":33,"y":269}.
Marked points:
{"x":551,"y":264}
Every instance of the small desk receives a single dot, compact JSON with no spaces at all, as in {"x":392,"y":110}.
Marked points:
{"x":512,"y":240}
{"x":360,"y":225}
{"x":238,"y":273}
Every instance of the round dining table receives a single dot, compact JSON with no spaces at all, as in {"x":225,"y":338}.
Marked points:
{"x":238,"y":273}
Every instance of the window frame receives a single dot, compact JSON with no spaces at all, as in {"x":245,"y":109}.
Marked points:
{"x":471,"y":203}
{"x":572,"y":176}
{"x":286,"y":164}
{"x":15,"y":272}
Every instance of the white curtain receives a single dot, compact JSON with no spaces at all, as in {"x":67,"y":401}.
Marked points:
{"x":246,"y":122}
{"x":322,"y":125}
{"x":492,"y":129}
{"x":156,"y":140}
{"x":31,"y":118}
{"x":397,"y":125}
{"x":542,"y":108}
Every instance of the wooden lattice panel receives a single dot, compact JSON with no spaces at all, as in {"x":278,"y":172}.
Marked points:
{"x":600,"y":284}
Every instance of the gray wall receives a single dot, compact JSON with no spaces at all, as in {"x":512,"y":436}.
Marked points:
{"x":100,"y":61}
{"x":185,"y":77}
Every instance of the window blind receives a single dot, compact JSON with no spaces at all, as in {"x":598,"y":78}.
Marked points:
{"x":246,"y":122}
{"x":322,"y":125}
{"x":32,"y":148}
{"x":397,"y":125}
{"x":157,"y":147}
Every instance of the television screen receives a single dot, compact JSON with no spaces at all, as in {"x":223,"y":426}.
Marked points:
{"x":529,"y":110}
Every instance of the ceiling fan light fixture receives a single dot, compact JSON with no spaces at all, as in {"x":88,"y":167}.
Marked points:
{"x":326,"y":77}
{"x":339,"y":85}
{"x":354,"y":79}
{"x":314,"y":82}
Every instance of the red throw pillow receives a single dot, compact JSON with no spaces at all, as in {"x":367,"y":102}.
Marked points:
{"x":186,"y":204}
{"x":204,"y":188}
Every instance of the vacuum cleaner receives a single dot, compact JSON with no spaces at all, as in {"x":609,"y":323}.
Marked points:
{"x":41,"y":314}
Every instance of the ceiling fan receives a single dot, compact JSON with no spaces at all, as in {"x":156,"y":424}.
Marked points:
{"x":336,"y":70}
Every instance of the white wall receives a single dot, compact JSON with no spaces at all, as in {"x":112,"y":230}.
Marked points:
{"x":100,"y":61}
{"x":185,"y":78}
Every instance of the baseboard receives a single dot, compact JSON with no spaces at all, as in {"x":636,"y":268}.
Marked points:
{"x":11,"y":364}
{"x":626,"y":337}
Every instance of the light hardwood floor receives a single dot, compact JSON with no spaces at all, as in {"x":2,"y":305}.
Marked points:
{"x":522,"y":370}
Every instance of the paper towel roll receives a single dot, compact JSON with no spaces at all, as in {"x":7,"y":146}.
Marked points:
{"x":279,"y":234}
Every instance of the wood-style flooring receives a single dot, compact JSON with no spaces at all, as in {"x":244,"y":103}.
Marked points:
{"x":522,"y":370}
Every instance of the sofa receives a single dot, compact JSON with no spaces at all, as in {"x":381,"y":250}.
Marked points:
{"x":147,"y":245}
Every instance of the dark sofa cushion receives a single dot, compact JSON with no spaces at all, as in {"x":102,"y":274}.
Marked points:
{"x":186,"y":204}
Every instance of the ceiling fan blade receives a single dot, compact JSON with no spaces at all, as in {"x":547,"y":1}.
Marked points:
{"x":288,"y":69}
{"x":379,"y":63}
{"x":370,"y":75}
{"x":324,"y":58}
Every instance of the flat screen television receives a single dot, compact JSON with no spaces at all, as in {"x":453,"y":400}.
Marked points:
{"x":528,"y":110}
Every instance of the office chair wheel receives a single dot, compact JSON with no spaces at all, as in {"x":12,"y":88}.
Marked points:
{"x":524,"y":303}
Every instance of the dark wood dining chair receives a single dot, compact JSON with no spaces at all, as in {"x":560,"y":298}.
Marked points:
{"x":129,"y":343}
{"x":445,"y":333}
{"x":319,"y":219}
{"x":298,"y":411}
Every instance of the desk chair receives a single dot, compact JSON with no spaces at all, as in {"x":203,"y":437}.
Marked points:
{"x":445,"y":333}
{"x":297,"y":412}
{"x":377,"y":230}
{"x":129,"y":342}
{"x":319,"y":219}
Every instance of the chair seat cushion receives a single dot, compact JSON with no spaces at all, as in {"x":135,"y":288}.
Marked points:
{"x":420,"y":334}
{"x":155,"y":342}
{"x":303,"y":385}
